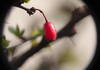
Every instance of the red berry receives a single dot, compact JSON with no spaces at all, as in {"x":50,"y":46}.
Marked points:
{"x":49,"y":31}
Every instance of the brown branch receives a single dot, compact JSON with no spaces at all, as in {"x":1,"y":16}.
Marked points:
{"x":30,"y":11}
{"x":78,"y":14}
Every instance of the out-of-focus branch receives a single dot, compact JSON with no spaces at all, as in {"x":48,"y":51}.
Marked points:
{"x":24,"y":41}
{"x":68,"y":30}
{"x":77,"y":15}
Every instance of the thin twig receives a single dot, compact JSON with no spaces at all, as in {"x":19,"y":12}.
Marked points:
{"x":30,"y":11}
{"x":24,"y":41}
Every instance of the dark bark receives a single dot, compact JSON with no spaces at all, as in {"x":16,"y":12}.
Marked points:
{"x":5,"y":6}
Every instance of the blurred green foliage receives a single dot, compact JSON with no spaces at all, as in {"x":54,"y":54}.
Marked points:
{"x":34,"y":42}
{"x":26,"y":1}
{"x":16,"y":31}
{"x":4,"y":42}
{"x":36,"y":32}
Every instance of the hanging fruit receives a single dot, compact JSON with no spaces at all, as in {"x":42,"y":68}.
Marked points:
{"x":49,"y":31}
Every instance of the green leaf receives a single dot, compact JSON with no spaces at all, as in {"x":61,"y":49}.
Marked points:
{"x":40,"y":31}
{"x":22,"y":32}
{"x":37,"y":32}
{"x":16,"y":31}
{"x":12,"y":30}
{"x":4,"y":42}
{"x":34,"y":42}
{"x":26,"y":1}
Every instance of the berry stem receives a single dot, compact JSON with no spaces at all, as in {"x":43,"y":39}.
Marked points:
{"x":42,"y":14}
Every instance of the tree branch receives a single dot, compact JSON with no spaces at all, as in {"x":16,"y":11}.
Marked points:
{"x":24,"y":40}
{"x":68,"y":30}
{"x":77,"y":15}
{"x":30,"y":11}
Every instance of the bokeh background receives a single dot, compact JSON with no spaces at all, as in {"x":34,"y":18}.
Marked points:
{"x":64,"y":54}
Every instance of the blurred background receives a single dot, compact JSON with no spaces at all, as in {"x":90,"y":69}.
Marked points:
{"x":67,"y":53}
